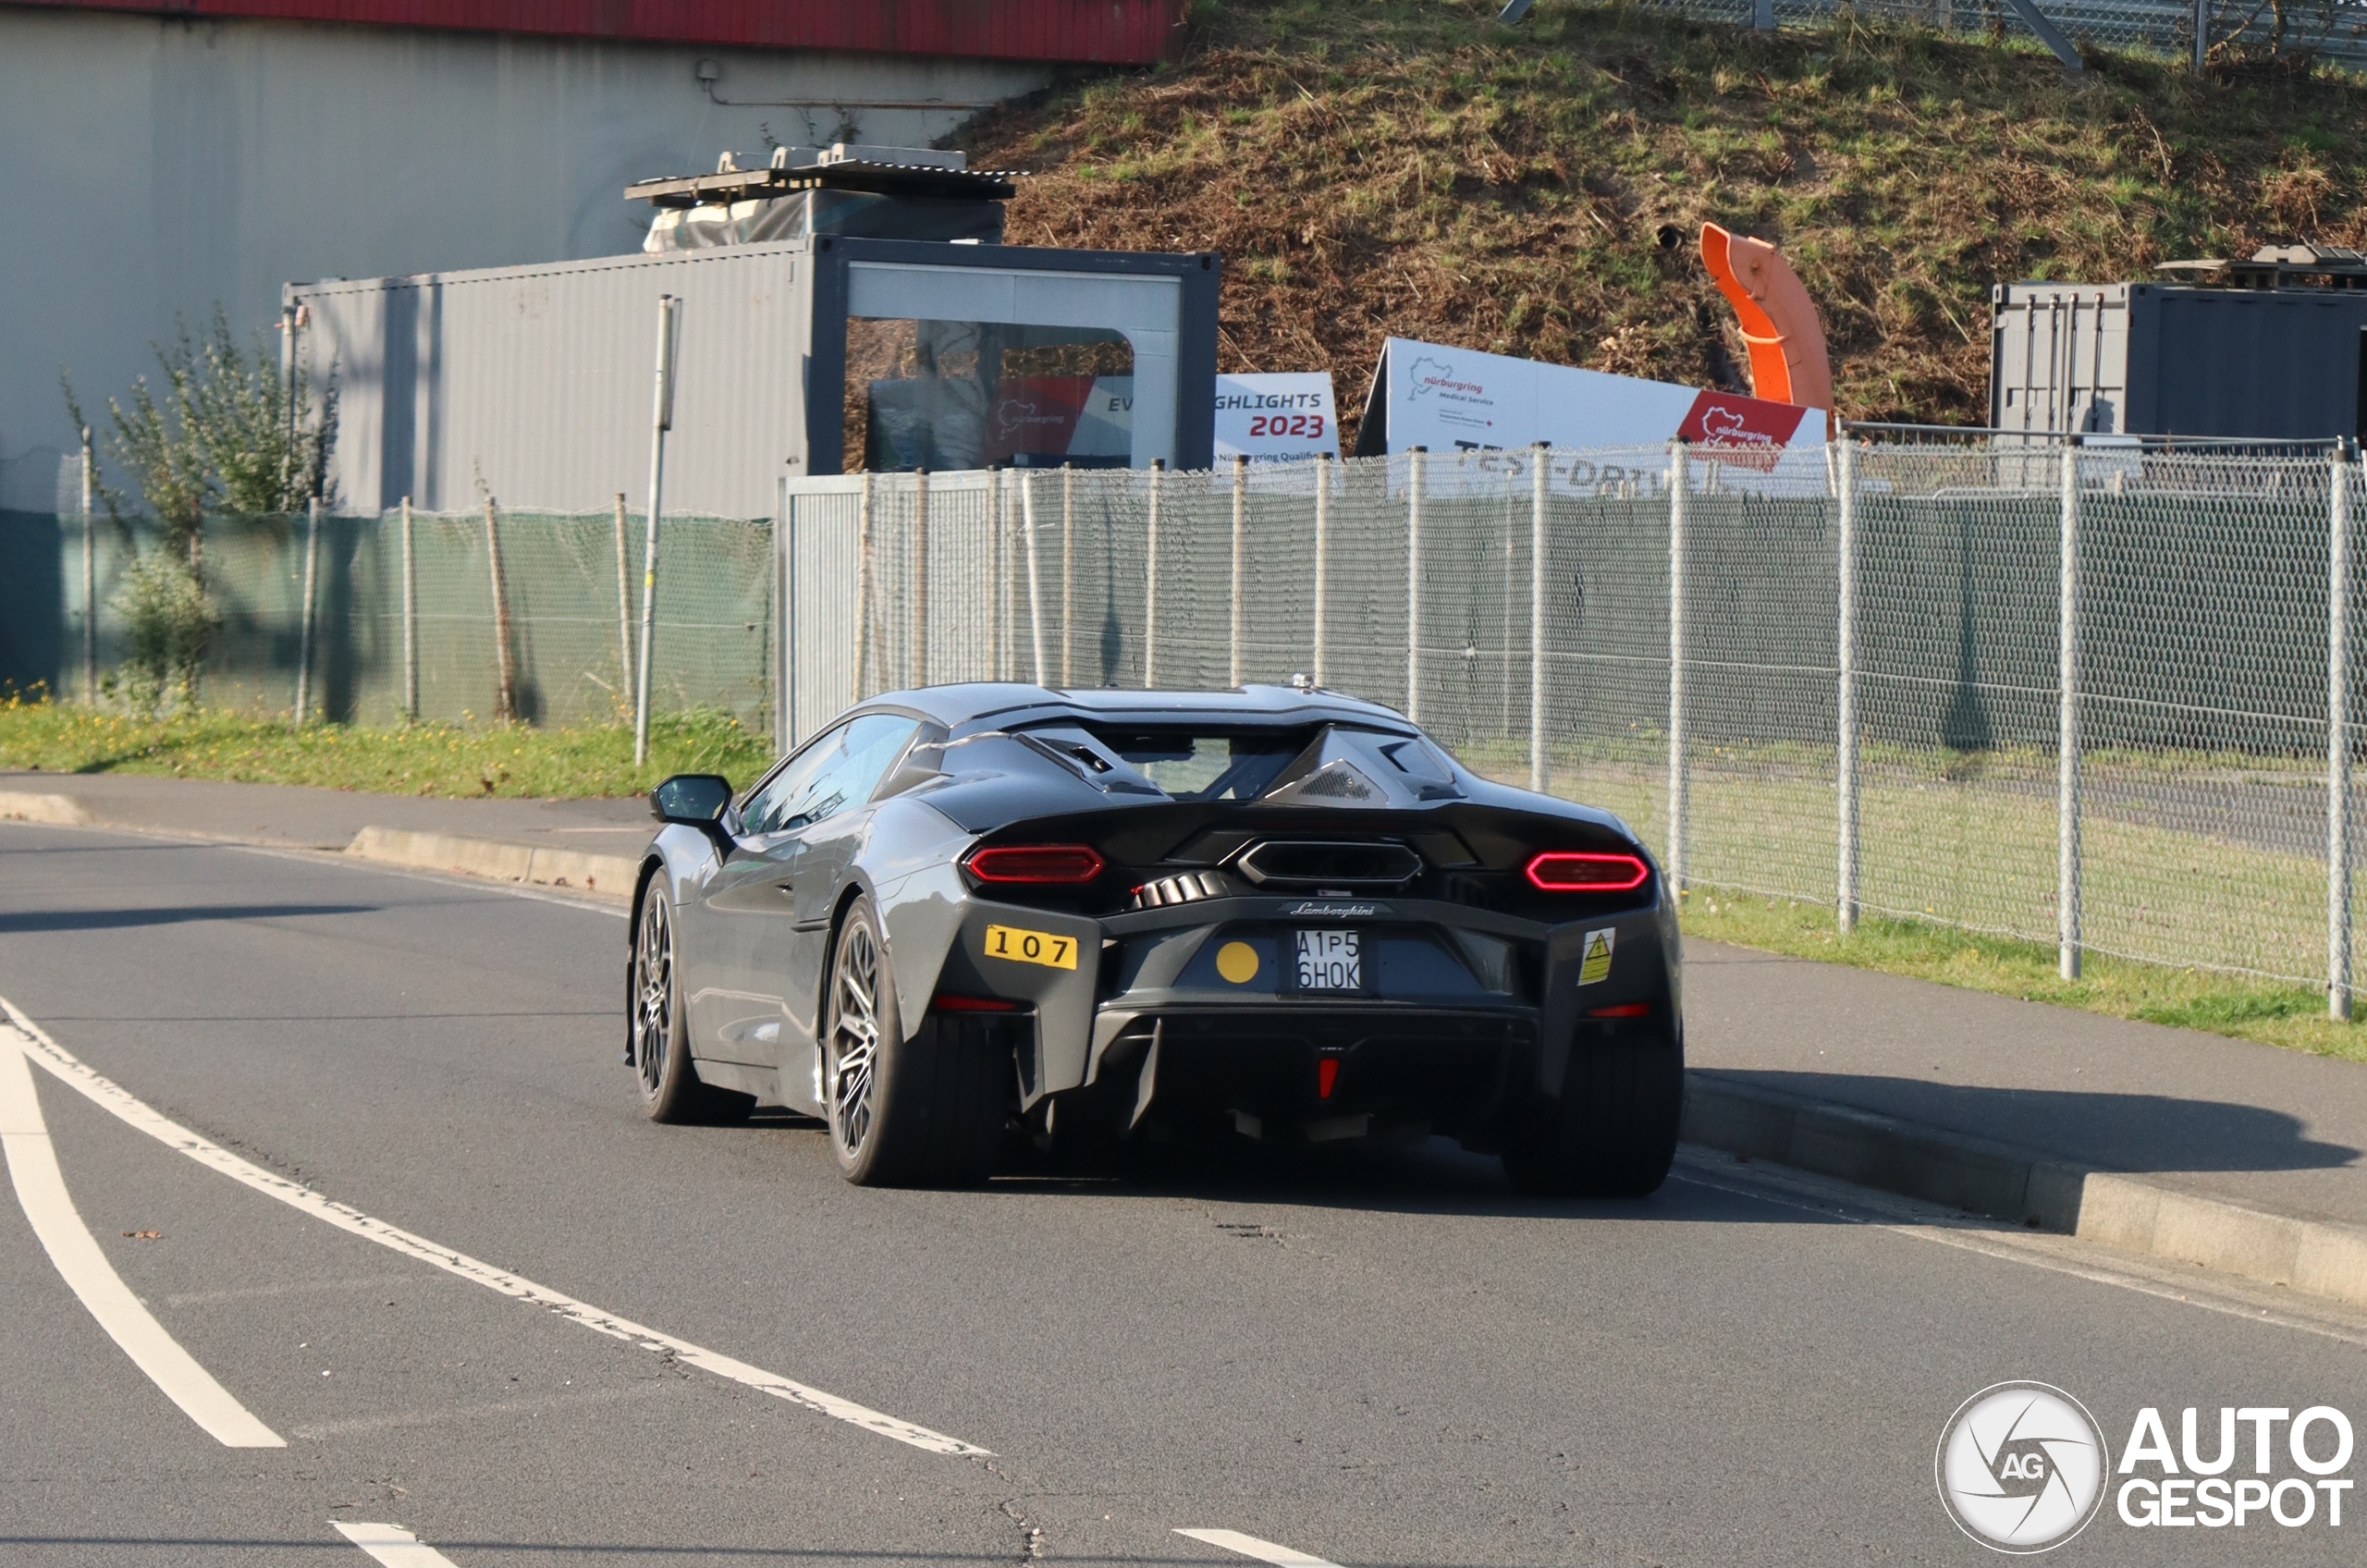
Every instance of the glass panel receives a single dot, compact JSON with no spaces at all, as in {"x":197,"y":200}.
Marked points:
{"x":946,"y":395}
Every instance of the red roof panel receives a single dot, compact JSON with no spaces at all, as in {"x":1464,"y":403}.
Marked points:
{"x":1101,"y":31}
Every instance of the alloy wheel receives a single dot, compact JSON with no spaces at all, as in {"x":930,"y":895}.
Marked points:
{"x":855,"y":1037}
{"x":652,"y":1020}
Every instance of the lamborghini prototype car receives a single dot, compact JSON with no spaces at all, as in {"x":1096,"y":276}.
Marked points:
{"x":969,"y":917}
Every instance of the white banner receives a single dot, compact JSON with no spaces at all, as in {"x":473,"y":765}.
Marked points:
{"x":1268,"y":418}
{"x":1460,"y":399}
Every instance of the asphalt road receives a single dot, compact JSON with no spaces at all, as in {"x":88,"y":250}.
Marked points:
{"x":1379,"y":1358}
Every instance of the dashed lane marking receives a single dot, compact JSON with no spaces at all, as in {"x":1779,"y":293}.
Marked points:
{"x":35,"y":1043}
{"x":391,"y":1544}
{"x":40,"y":1188}
{"x":1264,"y":1551}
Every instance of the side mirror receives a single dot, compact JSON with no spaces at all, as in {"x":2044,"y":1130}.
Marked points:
{"x":694,"y":800}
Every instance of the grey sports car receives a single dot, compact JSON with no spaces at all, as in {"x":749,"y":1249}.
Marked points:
{"x":964,"y":918}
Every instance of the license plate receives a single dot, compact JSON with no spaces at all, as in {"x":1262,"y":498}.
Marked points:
{"x":1047,"y":948}
{"x":1329,"y":960}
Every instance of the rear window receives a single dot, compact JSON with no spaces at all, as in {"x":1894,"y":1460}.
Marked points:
{"x":1201,"y":764}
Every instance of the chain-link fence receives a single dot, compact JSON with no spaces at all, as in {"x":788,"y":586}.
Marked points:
{"x":1680,"y":655}
{"x":2334,"y":30}
{"x":453,"y":617}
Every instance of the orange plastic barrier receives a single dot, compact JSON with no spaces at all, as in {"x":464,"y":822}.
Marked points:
{"x":1779,"y":320}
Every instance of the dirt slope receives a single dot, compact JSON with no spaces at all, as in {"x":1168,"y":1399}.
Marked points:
{"x":1408,"y":167}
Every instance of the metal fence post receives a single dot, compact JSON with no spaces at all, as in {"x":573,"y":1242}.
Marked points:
{"x":1537,"y":464}
{"x":305,"y":634}
{"x":90,"y":580}
{"x":505,"y":704}
{"x":1845,"y":706}
{"x":2338,"y":738}
{"x":1414,"y":464}
{"x":1068,"y":573}
{"x":2067,"y":804}
{"x":1240,"y":539}
{"x":865,"y":588}
{"x":1678,"y":478}
{"x":1035,"y":576}
{"x":2202,"y":34}
{"x":623,"y":593}
{"x":920,"y":577}
{"x":784,"y":620}
{"x":662,"y":419}
{"x":996,"y":560}
{"x":411,"y":617}
{"x":1151,"y":583}
{"x":1322,"y":558}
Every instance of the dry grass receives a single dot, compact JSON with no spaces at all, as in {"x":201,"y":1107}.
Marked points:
{"x":1406,"y":166}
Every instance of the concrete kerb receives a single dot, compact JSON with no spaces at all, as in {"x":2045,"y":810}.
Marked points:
{"x":605,"y":876}
{"x":2317,"y":1257}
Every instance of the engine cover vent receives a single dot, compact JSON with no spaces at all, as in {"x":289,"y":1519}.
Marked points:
{"x":1190,"y":888}
{"x":1302,"y":863}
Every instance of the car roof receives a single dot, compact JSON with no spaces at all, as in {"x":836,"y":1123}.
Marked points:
{"x":969,"y":705}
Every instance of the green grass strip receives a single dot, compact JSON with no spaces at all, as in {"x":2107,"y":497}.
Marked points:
{"x":2271,"y":1011}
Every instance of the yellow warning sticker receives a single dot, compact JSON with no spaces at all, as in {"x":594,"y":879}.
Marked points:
{"x":1596,"y":965}
{"x":1046,"y":948}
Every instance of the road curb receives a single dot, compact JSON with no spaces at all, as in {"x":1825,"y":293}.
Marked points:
{"x":2321,"y":1257}
{"x":499,"y":860}
{"x":57,"y":811}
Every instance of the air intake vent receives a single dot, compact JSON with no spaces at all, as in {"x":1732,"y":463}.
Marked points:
{"x":1295,"y":864}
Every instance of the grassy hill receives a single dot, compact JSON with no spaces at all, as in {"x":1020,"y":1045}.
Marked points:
{"x":1409,"y":167}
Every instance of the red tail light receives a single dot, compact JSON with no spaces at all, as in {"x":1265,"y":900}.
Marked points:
{"x":1571,"y":871}
{"x":1622,"y":1009}
{"x":943,"y":1003}
{"x":1061,"y":863}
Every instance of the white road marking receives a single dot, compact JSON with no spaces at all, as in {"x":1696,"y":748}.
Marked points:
{"x":36,"y":1044}
{"x":1264,"y":1551}
{"x":392,"y":1545}
{"x":40,"y":1188}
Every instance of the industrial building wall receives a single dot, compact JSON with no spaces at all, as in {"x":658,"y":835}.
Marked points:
{"x":533,"y":386}
{"x":156,"y":167}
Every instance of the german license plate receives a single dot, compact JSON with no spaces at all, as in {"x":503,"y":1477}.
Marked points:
{"x":1329,"y":960}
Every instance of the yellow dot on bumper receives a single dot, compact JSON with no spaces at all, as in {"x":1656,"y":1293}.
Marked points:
{"x":1237,"y":962}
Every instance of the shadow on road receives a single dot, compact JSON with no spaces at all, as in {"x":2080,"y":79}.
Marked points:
{"x":2133,"y":1133}
{"x":24,"y":922}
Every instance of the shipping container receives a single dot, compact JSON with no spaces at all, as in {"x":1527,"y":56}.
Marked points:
{"x":2153,"y":359}
{"x":532,"y":386}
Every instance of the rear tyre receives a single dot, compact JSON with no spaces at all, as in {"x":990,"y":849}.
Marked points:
{"x":928,"y":1111}
{"x":1613,"y":1135}
{"x":657,"y":1032}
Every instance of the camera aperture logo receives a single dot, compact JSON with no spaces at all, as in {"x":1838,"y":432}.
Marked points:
{"x":2021,"y":1467}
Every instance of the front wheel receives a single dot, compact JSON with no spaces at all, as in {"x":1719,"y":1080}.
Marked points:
{"x":923,"y":1110}
{"x":1613,"y":1133}
{"x":657,"y":1032}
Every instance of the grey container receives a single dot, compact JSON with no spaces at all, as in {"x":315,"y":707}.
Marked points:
{"x":2150,"y":359}
{"x":533,"y":384}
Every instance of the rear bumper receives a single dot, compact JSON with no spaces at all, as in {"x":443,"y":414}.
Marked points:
{"x":1489,"y":1011}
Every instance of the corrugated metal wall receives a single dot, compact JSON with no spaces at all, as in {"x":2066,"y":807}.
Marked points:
{"x":1109,"y":31}
{"x":534,"y":385}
